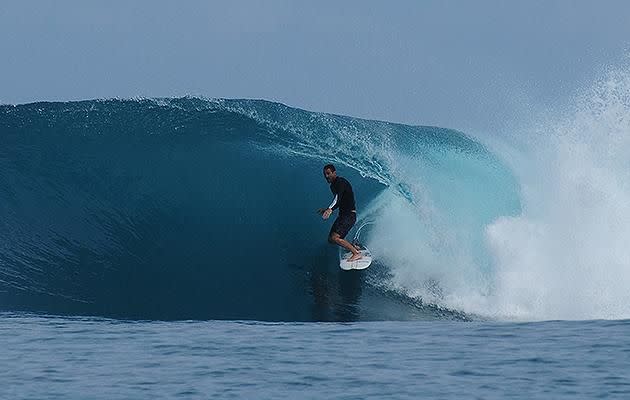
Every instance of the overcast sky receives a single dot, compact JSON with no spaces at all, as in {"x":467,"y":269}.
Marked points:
{"x":448,"y":63}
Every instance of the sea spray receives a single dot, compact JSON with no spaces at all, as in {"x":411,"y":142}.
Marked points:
{"x":567,"y":255}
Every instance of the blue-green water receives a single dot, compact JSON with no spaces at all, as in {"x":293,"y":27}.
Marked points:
{"x":205,"y":209}
{"x":84,"y":358}
{"x":169,"y":248}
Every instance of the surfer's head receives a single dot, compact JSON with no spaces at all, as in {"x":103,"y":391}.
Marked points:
{"x":330,"y":173}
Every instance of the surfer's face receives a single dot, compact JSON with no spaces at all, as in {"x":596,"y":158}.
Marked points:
{"x":330,"y":175}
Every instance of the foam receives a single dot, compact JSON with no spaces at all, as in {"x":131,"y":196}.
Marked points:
{"x":567,"y":255}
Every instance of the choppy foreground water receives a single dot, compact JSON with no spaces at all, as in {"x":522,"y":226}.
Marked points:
{"x":87,"y":358}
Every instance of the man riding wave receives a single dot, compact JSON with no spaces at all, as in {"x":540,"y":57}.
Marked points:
{"x":344,"y":201}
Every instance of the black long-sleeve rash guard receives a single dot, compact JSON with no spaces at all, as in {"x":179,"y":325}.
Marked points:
{"x":344,"y":196}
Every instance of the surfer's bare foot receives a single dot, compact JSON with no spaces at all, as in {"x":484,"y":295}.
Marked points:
{"x":355,"y":257}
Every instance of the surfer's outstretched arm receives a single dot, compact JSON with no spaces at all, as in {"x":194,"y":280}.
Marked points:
{"x":325,"y":212}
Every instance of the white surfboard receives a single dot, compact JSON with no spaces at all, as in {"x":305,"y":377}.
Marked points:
{"x":361,"y":263}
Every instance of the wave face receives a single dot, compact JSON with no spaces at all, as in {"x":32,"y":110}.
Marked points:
{"x":205,"y":209}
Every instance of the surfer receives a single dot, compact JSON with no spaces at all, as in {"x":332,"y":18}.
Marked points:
{"x":344,"y":200}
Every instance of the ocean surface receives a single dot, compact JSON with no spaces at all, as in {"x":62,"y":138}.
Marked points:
{"x":47,"y":357}
{"x":171,"y":248}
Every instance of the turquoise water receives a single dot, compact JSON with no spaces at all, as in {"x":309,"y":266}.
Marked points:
{"x":87,"y":358}
{"x":169,"y":248}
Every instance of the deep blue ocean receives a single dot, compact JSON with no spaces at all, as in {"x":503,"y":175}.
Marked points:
{"x":170,"y":248}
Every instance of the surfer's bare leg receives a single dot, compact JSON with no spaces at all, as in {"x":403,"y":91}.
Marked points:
{"x":336,"y":239}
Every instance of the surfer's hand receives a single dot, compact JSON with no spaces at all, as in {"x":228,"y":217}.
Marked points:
{"x":320,"y":211}
{"x":326,"y":213}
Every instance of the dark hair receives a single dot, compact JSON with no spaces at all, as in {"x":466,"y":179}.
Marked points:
{"x":330,"y":167}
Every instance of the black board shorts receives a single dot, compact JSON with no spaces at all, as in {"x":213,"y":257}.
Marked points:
{"x":343,"y":224}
